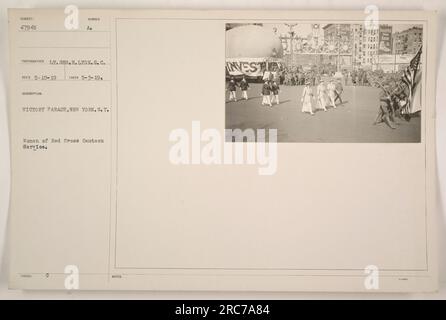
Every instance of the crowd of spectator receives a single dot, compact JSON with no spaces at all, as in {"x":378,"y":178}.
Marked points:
{"x":294,"y":76}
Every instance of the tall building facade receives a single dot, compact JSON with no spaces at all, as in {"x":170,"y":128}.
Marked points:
{"x":370,"y":47}
{"x":408,"y":41}
{"x":333,"y":32}
{"x":338,"y":37}
{"x":375,"y":42}
{"x":357,"y":32}
{"x":354,"y":46}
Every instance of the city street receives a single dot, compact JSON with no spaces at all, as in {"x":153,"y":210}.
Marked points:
{"x":350,"y":122}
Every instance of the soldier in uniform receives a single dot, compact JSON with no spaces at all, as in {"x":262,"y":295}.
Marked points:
{"x":266,"y":91}
{"x":386,"y":108}
{"x":275,"y":92}
{"x":232,"y":87}
{"x":244,"y":86}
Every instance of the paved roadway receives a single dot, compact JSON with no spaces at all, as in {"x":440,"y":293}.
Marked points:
{"x":350,"y":122}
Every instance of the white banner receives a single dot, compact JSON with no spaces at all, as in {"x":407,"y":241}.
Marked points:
{"x":252,"y":67}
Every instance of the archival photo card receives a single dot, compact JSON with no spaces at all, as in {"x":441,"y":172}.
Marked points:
{"x":325,"y":82}
{"x":139,"y":163}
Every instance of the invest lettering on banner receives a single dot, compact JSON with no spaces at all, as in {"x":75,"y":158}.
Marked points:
{"x":251,"y":67}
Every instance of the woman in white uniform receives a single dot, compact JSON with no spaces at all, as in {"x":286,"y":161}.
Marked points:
{"x":307,"y":95}
{"x":321,"y":93}
{"x":331,"y":93}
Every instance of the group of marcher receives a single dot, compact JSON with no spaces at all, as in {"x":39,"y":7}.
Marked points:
{"x":232,"y":88}
{"x":327,"y":94}
{"x":328,"y":91}
{"x":270,"y":93}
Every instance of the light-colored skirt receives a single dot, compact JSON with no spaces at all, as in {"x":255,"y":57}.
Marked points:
{"x":322,"y":100}
{"x":306,"y":107}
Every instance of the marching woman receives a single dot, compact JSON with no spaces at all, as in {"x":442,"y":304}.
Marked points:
{"x":332,"y":93}
{"x":244,"y":86}
{"x":321,"y":93}
{"x":266,"y":91}
{"x":307,"y":95}
{"x":232,"y":87}
{"x":275,"y":92}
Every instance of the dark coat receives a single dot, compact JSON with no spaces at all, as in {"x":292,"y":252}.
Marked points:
{"x":232,"y":86}
{"x":266,"y":89}
{"x":275,"y":88}
{"x":244,"y":85}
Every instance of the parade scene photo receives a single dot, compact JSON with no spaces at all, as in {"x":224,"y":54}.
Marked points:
{"x":326,"y":82}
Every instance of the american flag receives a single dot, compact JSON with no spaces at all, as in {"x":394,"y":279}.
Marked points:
{"x":409,"y":81}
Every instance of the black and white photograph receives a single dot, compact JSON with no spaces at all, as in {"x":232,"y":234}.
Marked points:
{"x":327,"y":82}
